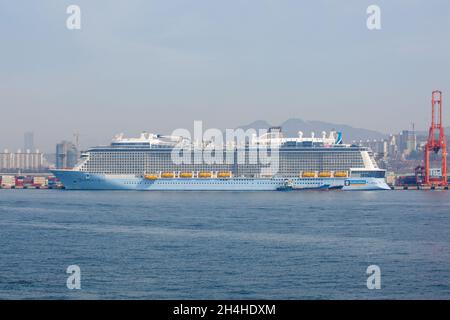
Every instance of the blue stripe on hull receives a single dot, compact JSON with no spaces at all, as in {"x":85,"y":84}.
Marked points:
{"x":77,"y":180}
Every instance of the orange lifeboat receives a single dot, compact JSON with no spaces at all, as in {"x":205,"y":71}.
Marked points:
{"x":341,"y":174}
{"x":224,"y":175}
{"x":186,"y":175}
{"x":167,"y":175}
{"x":325,"y":174}
{"x":308,"y":174}
{"x":204,"y":175}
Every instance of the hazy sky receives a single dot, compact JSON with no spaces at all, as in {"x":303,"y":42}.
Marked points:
{"x":159,"y":65}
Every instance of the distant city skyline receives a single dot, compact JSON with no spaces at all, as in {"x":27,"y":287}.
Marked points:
{"x":157,"y":66}
{"x":289,"y":128}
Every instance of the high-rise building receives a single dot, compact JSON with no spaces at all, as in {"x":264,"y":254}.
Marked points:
{"x":403,"y":141}
{"x":407,"y":142}
{"x":392,"y":148}
{"x":411,"y":143}
{"x":66,"y":155}
{"x":28,"y":141}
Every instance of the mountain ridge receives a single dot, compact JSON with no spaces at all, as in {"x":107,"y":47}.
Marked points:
{"x":292,"y":126}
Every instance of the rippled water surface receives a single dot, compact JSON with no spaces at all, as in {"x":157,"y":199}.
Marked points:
{"x":224,"y":245}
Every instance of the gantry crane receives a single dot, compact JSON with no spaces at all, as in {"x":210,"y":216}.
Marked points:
{"x":436,"y":142}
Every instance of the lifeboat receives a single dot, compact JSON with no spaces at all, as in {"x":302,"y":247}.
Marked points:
{"x":151,"y":176}
{"x":325,"y":174}
{"x":186,"y":175}
{"x":307,"y":174}
{"x":341,"y":174}
{"x":167,"y":175}
{"x":224,"y":175}
{"x":204,"y":175}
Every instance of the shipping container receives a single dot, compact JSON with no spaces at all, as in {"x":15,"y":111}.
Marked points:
{"x":8,"y":181}
{"x":39,"y":181}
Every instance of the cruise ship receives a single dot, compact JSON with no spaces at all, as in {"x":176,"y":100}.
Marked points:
{"x":267,"y":162}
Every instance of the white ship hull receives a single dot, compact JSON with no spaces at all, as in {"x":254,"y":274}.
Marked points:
{"x":77,"y":180}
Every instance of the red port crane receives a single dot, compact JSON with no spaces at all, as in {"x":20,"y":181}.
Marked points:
{"x":436,"y":142}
